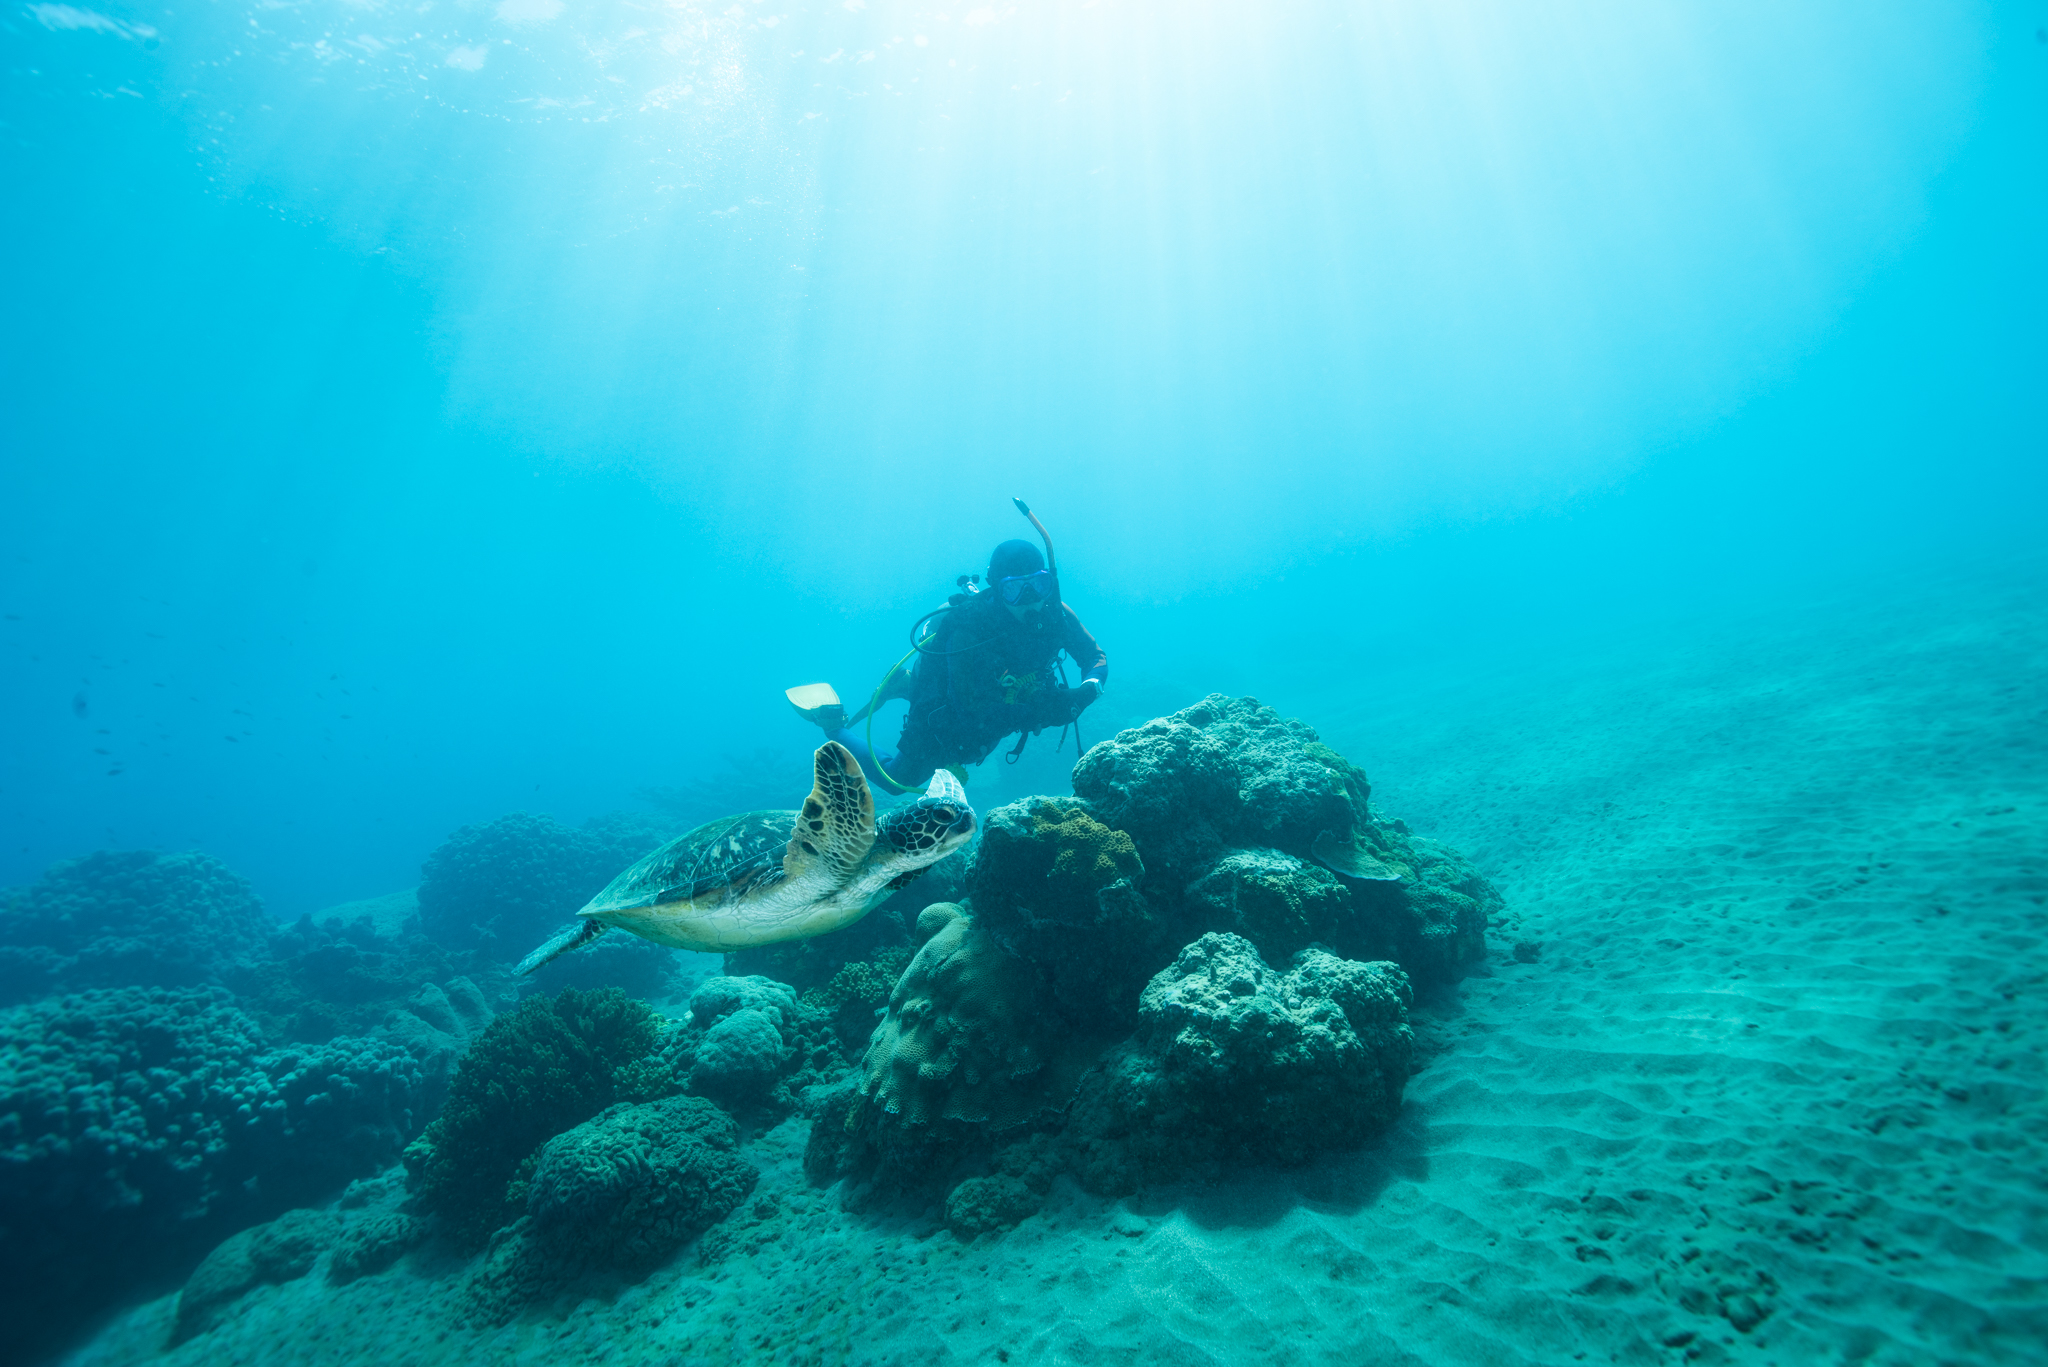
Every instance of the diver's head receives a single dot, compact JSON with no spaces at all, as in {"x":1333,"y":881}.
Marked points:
{"x":1020,"y":580}
{"x":932,"y":827}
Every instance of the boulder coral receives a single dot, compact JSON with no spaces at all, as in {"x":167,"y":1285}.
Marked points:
{"x":129,"y":918}
{"x":620,"y":1192}
{"x":1234,"y":1062}
{"x":533,"y":1073}
{"x":749,"y":1042}
{"x":957,"y":1042}
{"x":631,"y":1186}
{"x":1271,"y":898}
{"x":967,"y":1056}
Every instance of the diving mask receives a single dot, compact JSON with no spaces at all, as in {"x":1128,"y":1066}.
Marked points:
{"x":1022,"y":590}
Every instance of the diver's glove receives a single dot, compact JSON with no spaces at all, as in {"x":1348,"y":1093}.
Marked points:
{"x":1081,"y":696}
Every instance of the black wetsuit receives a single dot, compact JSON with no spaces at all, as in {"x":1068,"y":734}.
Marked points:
{"x":983,"y":675}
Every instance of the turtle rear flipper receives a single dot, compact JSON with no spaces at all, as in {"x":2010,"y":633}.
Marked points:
{"x":836,"y":827}
{"x":575,"y":935}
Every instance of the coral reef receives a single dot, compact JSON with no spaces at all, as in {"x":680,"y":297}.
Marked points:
{"x":331,"y":977}
{"x":139,"y":1125}
{"x":1060,"y":890}
{"x":281,"y":1251}
{"x":622,"y":1192}
{"x":1131,"y":926}
{"x":1234,"y":1062}
{"x":967,"y":1053}
{"x":1238,"y":813}
{"x":749,"y":1044}
{"x":129,"y":919}
{"x":858,"y":993}
{"x":499,"y":888}
{"x":532,"y":1073}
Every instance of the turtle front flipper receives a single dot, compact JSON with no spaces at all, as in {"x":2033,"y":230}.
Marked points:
{"x":572,"y":936}
{"x":836,"y":827}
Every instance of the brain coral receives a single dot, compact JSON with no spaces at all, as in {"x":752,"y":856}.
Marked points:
{"x":1234,"y":1062}
{"x":629,"y":1187}
{"x":956,"y":1042}
{"x":530,"y":1075}
{"x":621,"y":1191}
{"x":129,"y":919}
{"x":139,"y":1125}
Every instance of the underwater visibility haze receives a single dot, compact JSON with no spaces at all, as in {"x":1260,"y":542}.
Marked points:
{"x":1528,"y":844}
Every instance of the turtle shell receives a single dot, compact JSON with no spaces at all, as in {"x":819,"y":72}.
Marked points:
{"x":720,"y":861}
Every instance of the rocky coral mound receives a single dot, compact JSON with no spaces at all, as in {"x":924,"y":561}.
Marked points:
{"x":1062,"y":892}
{"x":1234,"y":1062}
{"x":1134,"y":924}
{"x":1248,"y":823}
{"x":139,"y":1124}
{"x":129,"y":918}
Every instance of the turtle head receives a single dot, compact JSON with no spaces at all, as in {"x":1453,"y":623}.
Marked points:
{"x":930,"y":828}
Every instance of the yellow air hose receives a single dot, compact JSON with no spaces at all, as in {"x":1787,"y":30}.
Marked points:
{"x":874,"y":701}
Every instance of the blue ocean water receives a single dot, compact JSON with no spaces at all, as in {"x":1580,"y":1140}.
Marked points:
{"x":415,"y":414}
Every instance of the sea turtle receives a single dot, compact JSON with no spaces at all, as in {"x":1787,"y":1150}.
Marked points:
{"x":761,"y":877}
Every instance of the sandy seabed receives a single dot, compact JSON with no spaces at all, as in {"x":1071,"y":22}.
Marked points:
{"x":1765,"y":1084}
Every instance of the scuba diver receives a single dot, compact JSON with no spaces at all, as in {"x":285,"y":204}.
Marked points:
{"x":987,"y":667}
